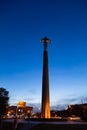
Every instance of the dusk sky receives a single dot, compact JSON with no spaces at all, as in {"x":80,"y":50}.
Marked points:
{"x":22,"y":24}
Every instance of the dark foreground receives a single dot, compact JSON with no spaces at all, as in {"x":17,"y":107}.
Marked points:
{"x":44,"y":126}
{"x":59,"y":127}
{"x":10,"y":126}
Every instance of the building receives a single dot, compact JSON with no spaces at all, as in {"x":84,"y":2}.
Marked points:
{"x":21,"y":110}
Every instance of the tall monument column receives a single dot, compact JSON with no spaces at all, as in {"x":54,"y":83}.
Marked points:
{"x":45,"y":106}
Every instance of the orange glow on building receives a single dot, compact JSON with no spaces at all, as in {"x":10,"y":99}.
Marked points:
{"x":22,"y":104}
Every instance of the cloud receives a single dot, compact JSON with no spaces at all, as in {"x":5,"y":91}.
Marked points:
{"x":28,"y":99}
{"x":69,"y":100}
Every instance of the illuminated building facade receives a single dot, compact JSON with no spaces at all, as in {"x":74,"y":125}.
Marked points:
{"x":20,"y":110}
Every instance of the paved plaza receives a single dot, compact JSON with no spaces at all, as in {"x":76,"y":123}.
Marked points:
{"x":49,"y":125}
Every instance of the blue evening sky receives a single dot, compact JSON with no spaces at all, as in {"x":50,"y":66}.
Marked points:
{"x":22,"y":24}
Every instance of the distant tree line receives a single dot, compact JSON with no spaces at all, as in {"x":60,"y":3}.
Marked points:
{"x":4,"y":98}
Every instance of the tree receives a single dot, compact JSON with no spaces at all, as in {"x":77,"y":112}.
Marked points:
{"x":4,"y":98}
